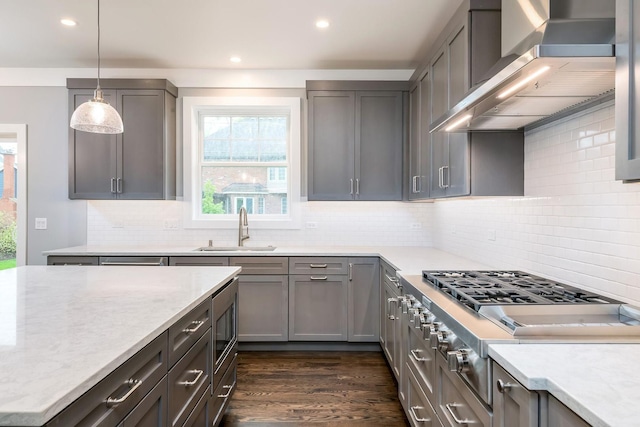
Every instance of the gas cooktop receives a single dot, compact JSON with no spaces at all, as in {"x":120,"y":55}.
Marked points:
{"x":476,"y":289}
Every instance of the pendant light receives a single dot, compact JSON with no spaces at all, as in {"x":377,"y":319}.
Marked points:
{"x":96,"y":115}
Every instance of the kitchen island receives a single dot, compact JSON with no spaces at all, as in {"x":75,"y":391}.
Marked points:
{"x":64,"y":329}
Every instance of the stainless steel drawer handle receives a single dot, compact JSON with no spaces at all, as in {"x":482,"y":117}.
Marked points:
{"x":152,"y":263}
{"x":134,"y":384}
{"x":415,"y":352}
{"x":415,"y":416}
{"x":389,"y":309}
{"x":503,"y":387}
{"x":391,"y":279}
{"x":113,"y":185}
{"x":457,"y":420}
{"x":318,"y":277}
{"x":198,"y":373}
{"x":318,"y":265}
{"x":119,"y":185}
{"x":228,"y":393}
{"x":199,"y":324}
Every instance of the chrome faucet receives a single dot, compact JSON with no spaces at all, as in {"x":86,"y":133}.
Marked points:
{"x":243,"y":226}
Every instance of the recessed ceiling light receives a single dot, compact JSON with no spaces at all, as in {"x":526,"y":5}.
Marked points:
{"x":68,"y":22}
{"x":322,"y":23}
{"x":235,"y":59}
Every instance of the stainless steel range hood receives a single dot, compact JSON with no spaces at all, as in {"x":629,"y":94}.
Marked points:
{"x":565,"y":58}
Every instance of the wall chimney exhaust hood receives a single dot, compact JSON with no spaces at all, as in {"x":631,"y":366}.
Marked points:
{"x":557,"y":56}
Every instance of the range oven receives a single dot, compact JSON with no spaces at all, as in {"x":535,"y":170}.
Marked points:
{"x":451,"y":317}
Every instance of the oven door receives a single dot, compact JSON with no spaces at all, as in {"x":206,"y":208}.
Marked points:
{"x":225,"y":330}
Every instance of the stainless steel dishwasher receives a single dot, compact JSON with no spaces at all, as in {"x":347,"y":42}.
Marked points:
{"x":135,"y":260}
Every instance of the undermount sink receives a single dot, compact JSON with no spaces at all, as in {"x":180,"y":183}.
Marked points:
{"x":235,"y":248}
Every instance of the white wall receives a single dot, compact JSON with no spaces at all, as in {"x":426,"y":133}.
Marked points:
{"x":44,"y":111}
{"x":576,"y":223}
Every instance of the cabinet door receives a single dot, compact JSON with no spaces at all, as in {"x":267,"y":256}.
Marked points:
{"x":263,"y":309}
{"x":561,"y":416}
{"x":425,"y":137}
{"x":513,"y":404}
{"x":364,"y":297}
{"x":318,"y":308}
{"x":92,"y":156}
{"x":141,"y":146}
{"x":379,"y":133}
{"x":414,"y":143}
{"x":458,"y":54}
{"x":331,"y":145}
{"x":439,"y":140}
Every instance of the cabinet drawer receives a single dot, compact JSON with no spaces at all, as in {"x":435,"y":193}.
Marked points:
{"x":186,"y":331}
{"x":113,"y":398}
{"x":215,"y":261}
{"x":72,"y":260}
{"x":188,"y":380}
{"x":318,"y":266}
{"x":223,"y":392}
{"x":455,"y":403}
{"x":155,"y":261}
{"x":152,"y":411}
{"x":419,"y":412}
{"x":261,"y":265}
{"x":389,"y":275}
{"x":199,"y":416}
{"x":421,"y":359}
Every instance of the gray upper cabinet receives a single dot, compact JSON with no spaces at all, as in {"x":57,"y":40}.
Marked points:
{"x":137,"y":164}
{"x":627,"y":91}
{"x":461,"y":164}
{"x":356,"y":140}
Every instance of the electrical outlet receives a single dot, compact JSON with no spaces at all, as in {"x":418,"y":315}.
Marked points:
{"x":170,"y":224}
{"x":491,"y":234}
{"x":311,"y":224}
{"x":41,"y":223}
{"x":416,"y":225}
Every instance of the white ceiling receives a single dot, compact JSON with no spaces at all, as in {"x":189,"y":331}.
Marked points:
{"x":203,"y":34}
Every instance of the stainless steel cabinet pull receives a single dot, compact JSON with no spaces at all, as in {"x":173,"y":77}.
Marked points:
{"x":318,"y":277}
{"x":134,"y":384}
{"x":389,"y":301}
{"x":198,"y":373}
{"x":228,"y":387}
{"x":318,"y":265}
{"x":415,"y":416}
{"x":503,"y":387}
{"x":119,"y":185}
{"x":413,"y":184}
{"x":351,"y":186}
{"x":350,"y":272}
{"x":414,"y":353}
{"x":443,"y":180}
{"x":440,"y":177}
{"x":391,"y":279}
{"x":457,"y":420}
{"x":199,"y":324}
{"x":113,"y":185}
{"x":357,"y":187}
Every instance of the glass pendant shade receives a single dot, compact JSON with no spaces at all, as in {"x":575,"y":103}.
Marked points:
{"x":97,"y":116}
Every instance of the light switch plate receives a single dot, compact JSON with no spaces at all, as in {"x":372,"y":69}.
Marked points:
{"x":41,"y":223}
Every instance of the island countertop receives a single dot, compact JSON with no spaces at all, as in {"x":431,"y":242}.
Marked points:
{"x":64,"y":328}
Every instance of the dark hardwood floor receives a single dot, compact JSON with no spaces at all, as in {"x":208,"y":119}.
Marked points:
{"x":314,"y":388}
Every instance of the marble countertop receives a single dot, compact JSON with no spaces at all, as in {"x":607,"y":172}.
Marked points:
{"x":410,"y":260}
{"x":599,"y":382}
{"x":64,"y":328}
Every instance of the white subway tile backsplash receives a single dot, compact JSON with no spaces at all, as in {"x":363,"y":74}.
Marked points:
{"x":575,"y":223}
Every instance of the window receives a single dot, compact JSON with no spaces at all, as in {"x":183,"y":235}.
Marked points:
{"x":283,"y":205}
{"x":241,"y":152}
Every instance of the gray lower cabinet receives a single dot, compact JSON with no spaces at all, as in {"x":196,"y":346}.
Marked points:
{"x":356,"y":142}
{"x":513,"y":404}
{"x":561,"y":416}
{"x":390,"y":317}
{"x":72,"y":260}
{"x":627,"y":91}
{"x":364,"y":297}
{"x":263,"y":308}
{"x":151,"y":411}
{"x":419,"y":409}
{"x":138,"y":164}
{"x":318,"y":307}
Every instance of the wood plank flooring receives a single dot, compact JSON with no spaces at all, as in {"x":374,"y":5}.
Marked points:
{"x":314,"y":388}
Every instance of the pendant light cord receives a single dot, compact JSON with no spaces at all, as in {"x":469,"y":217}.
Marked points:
{"x":98,"y":44}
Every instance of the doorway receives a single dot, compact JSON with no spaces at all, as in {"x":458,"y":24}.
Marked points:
{"x":13,"y":195}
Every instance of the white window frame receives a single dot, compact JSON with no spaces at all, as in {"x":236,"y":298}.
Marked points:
{"x":192,"y":108}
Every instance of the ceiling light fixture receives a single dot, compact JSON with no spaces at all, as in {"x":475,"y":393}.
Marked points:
{"x":523,"y":82}
{"x":68,"y":22}
{"x":96,"y":115}
{"x":458,"y":122}
{"x":235,"y":59}
{"x":322,"y":23}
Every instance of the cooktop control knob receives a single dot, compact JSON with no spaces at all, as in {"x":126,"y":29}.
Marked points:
{"x":433,"y":334}
{"x":443,"y":338}
{"x":458,"y":361}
